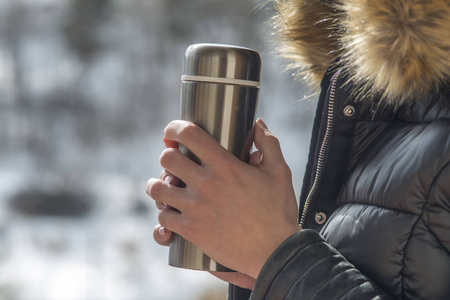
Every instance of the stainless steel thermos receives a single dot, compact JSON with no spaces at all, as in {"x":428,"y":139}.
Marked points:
{"x":219,"y":92}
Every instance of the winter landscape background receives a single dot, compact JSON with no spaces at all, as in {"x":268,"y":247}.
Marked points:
{"x":86,"y":88}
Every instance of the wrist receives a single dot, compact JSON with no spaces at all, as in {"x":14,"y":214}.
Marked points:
{"x":263,"y":256}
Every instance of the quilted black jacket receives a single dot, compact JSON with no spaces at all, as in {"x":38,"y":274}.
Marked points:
{"x":375,"y":200}
{"x":376,"y":205}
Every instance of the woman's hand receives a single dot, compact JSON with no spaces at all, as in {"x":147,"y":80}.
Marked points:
{"x":236,"y":213}
{"x":164,"y":237}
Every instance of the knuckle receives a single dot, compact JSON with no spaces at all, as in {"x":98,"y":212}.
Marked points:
{"x":165,"y":219}
{"x":188,"y":131}
{"x":148,"y":185}
{"x":281,"y":170}
{"x":274,"y":140}
{"x":154,"y":188}
{"x":284,"y":171}
{"x":170,"y":126}
{"x":166,"y":156}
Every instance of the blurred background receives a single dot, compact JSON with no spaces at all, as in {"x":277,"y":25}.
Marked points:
{"x":86,"y":89}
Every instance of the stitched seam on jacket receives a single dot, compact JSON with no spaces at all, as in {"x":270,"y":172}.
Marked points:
{"x":436,"y":237}
{"x":350,"y":268}
{"x":304,"y":274}
{"x":447,"y":165}
{"x":299,"y":253}
{"x":413,"y":228}
{"x":356,"y":286}
{"x":292,"y":257}
{"x":346,"y":293}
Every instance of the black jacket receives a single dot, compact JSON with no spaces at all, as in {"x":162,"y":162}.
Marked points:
{"x":378,"y":216}
{"x":375,"y":201}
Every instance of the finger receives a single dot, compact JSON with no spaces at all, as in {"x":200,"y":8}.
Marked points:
{"x":268,"y":144}
{"x":255,"y":159}
{"x":171,"y":220}
{"x":170,"y":178}
{"x":163,"y":192}
{"x":162,"y":235}
{"x":160,"y":205}
{"x":170,"y":144}
{"x":179,"y":165}
{"x":198,"y":141}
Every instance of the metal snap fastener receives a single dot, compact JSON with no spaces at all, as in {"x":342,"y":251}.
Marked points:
{"x":320,"y":218}
{"x":349,"y":110}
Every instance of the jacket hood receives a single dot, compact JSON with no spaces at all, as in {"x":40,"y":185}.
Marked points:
{"x":399,"y":49}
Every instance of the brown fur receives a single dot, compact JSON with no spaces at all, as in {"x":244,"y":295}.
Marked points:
{"x":398,"y":48}
{"x":305,"y":36}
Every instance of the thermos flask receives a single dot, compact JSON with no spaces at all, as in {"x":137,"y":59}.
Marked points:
{"x":219,"y":93}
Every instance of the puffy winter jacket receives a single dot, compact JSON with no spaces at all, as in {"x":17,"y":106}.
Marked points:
{"x":375,"y":200}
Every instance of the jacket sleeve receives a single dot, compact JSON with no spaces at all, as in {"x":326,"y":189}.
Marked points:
{"x":306,"y":267}
{"x":237,"y":293}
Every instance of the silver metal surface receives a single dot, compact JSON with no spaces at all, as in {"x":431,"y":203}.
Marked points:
{"x":226,"y":109}
{"x":222,"y":61}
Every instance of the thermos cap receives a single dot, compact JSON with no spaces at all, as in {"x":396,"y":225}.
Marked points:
{"x":222,"y":64}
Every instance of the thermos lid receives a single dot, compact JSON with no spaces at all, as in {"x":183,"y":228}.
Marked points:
{"x":222,"y":64}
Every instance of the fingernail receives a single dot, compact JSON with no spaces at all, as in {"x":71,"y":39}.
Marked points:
{"x":263,"y":125}
{"x":162,"y":231}
{"x":168,"y":179}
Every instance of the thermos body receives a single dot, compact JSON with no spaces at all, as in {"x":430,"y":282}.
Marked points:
{"x":229,"y":118}
{"x":219,"y":93}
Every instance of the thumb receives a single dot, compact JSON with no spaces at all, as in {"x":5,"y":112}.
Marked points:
{"x":268,"y":144}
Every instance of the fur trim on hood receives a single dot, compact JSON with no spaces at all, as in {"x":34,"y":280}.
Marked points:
{"x":397,"y":48}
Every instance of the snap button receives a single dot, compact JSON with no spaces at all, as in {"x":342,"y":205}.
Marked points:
{"x":320,"y":218}
{"x":349,"y":110}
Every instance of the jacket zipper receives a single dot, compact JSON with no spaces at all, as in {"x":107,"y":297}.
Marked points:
{"x":323,"y":147}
